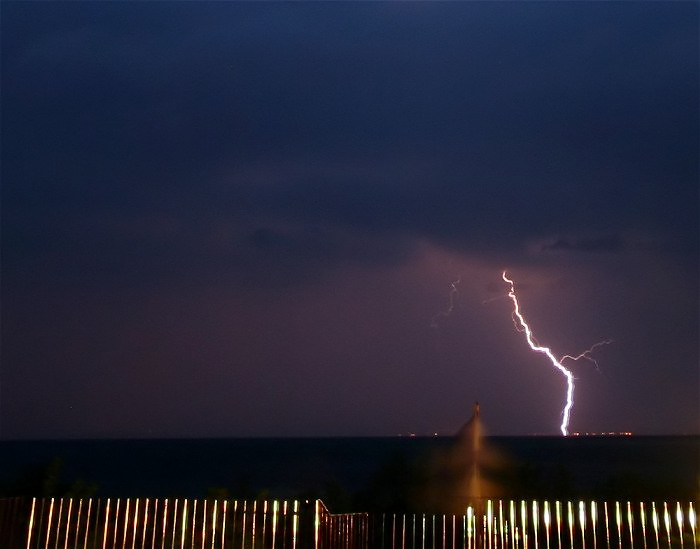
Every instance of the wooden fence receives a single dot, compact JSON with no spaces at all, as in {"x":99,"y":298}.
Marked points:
{"x":146,"y":523}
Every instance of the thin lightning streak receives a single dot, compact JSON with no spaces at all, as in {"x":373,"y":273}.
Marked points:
{"x":444,"y":314}
{"x":587,"y":353}
{"x":522,"y":326}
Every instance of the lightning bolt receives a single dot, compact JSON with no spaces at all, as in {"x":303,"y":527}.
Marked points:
{"x":522,"y":326}
{"x":587,"y":353}
{"x":444,"y":314}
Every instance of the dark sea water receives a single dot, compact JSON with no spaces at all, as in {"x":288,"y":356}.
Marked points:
{"x":343,"y":469}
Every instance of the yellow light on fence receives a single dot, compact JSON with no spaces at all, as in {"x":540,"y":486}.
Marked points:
{"x":679,"y":519}
{"x":630,"y":520}
{"x":691,"y":519}
{"x":667,"y":523}
{"x":523,"y":520}
{"x":513,"y":523}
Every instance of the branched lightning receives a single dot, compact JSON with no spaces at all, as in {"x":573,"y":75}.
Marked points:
{"x":522,"y":326}
{"x":587,"y":354}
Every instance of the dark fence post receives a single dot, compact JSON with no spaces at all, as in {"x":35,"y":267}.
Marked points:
{"x":15,"y":517}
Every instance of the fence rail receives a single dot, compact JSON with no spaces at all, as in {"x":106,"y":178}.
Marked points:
{"x":147,"y":523}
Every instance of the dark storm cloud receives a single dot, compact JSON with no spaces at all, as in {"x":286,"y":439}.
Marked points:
{"x":461,"y":118}
{"x":607,"y":243}
{"x":270,"y":147}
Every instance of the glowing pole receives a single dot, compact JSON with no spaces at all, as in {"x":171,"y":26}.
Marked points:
{"x":522,"y":326}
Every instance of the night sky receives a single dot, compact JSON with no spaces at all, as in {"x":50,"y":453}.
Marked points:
{"x":291,"y":219}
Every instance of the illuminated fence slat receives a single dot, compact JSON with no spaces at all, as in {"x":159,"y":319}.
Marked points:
{"x":147,"y":523}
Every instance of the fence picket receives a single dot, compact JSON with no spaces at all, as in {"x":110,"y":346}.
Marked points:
{"x":134,"y":523}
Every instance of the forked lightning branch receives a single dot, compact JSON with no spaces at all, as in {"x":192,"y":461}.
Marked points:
{"x":522,"y":326}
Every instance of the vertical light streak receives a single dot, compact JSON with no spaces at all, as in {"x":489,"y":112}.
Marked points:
{"x":264,"y":524}
{"x":521,"y":325}
{"x":104,"y":537}
{"x":252,"y":527}
{"x":692,"y":519}
{"x":607,"y":524}
{"x":136,"y":523}
{"x":523,"y":519}
{"x":284,"y":525}
{"x":233,"y":521}
{"x":70,"y":509}
{"x":204,"y":521}
{"x":535,"y":521}
{"x":165,"y":524}
{"x":213,"y":522}
{"x":547,"y":520}
{"x":679,"y":520}
{"x":594,"y":518}
{"x":582,"y":521}
{"x":655,"y":522}
{"x":513,"y":522}
{"x":643,"y":522}
{"x":667,"y":523}
{"x":245,"y":516}
{"x":172,"y":538}
{"x":183,"y":526}
{"x":618,"y":522}
{"x":87,"y":523}
{"x":502,"y":523}
{"x":30,"y":528}
{"x":295,"y":524}
{"x":630,"y":523}
{"x":145,"y":523}
{"x":126,"y":522}
{"x":470,"y":518}
{"x":116,"y":522}
{"x":58,"y":522}
{"x":275,"y":510}
{"x":558,"y":512}
{"x":572,"y":521}
{"x":489,"y":522}
{"x":224,"y":516}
